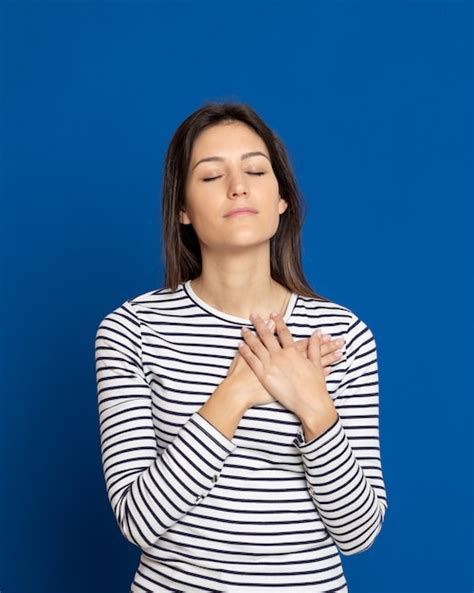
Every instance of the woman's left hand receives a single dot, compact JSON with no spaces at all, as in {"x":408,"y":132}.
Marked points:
{"x":298,"y":383}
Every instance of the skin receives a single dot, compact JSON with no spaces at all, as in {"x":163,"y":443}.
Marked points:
{"x":296,"y":381}
{"x":235,"y":251}
{"x":236,"y":276}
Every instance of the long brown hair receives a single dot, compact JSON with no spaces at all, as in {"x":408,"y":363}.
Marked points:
{"x":180,"y":244}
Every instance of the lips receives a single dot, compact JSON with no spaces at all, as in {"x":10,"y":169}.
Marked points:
{"x":240,"y":212}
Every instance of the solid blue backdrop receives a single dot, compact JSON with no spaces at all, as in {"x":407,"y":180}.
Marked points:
{"x":374,"y":102}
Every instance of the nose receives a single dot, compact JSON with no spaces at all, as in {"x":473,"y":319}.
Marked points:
{"x":237,"y":186}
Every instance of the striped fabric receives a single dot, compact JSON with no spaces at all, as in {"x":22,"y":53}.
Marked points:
{"x":264,"y":511}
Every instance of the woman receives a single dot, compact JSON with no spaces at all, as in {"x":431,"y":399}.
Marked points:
{"x":240,"y":452}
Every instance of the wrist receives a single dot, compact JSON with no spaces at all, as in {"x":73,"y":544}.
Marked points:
{"x":223,"y":410}
{"x":228,"y":393}
{"x":316,"y":420}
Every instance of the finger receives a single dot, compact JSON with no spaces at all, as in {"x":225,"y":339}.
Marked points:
{"x":302,"y":346}
{"x":329,"y":344}
{"x":325,"y":361}
{"x":284,"y":333}
{"x":325,"y":344}
{"x":254,"y":342}
{"x":250,"y":358}
{"x":264,"y":333}
{"x":331,"y":358}
{"x":271,"y":325}
{"x":330,"y":349}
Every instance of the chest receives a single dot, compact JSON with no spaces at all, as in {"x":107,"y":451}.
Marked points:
{"x":184,"y":365}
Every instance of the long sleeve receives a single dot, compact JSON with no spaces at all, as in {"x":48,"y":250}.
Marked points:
{"x":343,"y":465}
{"x":149,"y":490}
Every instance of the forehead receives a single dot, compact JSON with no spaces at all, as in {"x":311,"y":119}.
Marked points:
{"x":227,"y":137}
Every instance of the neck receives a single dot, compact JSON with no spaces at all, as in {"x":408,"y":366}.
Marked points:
{"x":241,"y":297}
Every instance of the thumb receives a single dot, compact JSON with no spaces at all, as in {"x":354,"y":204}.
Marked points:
{"x":314,"y":347}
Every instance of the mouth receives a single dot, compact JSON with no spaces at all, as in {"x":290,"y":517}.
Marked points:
{"x":240,"y":213}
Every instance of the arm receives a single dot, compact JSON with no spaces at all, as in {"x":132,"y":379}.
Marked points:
{"x":223,"y":410}
{"x":342,"y":464}
{"x":149,"y":490}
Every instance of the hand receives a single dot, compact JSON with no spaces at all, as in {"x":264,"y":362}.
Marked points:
{"x":245,"y":381}
{"x":329,"y":350}
{"x":296,"y":381}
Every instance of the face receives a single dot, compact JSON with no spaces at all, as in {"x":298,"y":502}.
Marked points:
{"x":222,"y":177}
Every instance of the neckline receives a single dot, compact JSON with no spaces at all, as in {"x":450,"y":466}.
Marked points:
{"x":227,"y":316}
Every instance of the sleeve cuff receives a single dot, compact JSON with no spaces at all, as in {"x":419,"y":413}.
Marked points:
{"x":319,"y":441}
{"x":213,"y":433}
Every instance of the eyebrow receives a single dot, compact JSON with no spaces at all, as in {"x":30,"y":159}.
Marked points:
{"x":245,"y":155}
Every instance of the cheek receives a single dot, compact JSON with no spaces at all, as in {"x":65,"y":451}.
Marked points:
{"x":274,"y":223}
{"x":272,"y":187}
{"x":197,"y":205}
{"x":204,"y":218}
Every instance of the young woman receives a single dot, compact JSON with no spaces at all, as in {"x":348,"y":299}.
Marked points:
{"x":239,"y":410}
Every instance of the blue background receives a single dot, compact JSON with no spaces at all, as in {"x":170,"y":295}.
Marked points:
{"x":374,"y":102}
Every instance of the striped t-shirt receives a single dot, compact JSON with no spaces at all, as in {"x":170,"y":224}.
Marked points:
{"x":263,"y":511}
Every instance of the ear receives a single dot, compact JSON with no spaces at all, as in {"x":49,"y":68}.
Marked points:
{"x":183,"y":217}
{"x":282,"y":205}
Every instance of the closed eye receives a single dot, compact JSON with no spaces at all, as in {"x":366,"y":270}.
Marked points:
{"x":250,"y":173}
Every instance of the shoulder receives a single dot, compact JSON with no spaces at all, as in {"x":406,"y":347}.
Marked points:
{"x":132,"y":308}
{"x":334,"y":318}
{"x":156,"y":296}
{"x":327,"y":310}
{"x":314,"y":306}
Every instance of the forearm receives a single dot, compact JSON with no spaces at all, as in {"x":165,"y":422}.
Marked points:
{"x":224,"y":409}
{"x":149,"y":493}
{"x":346,"y":491}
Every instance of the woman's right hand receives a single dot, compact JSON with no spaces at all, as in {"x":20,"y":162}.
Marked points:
{"x":244,"y":381}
